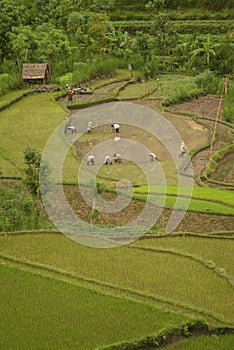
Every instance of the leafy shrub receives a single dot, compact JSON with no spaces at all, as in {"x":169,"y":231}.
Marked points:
{"x":18,"y":211}
{"x":150,"y":69}
{"x":208,"y":82}
{"x":65,"y":79}
{"x":8,"y":82}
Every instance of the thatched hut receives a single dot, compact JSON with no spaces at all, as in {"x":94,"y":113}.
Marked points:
{"x":36,"y":72}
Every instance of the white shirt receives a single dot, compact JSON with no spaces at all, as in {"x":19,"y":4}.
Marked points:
{"x":107,"y":159}
{"x":90,"y":158}
{"x":71,"y":128}
{"x":152,"y":156}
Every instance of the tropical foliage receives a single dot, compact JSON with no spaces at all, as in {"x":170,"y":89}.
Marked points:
{"x":67,"y":33}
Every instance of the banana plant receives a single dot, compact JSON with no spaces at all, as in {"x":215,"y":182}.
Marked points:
{"x":207,"y":49}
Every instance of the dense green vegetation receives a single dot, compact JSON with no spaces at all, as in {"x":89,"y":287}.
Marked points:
{"x":78,"y":37}
{"x":19,"y":211}
{"x":173,"y":4}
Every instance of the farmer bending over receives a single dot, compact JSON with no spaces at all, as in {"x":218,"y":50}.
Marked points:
{"x":116,"y":127}
{"x":107,"y":160}
{"x":153,"y":157}
{"x":90,"y":160}
{"x":117,"y":158}
{"x":183,"y":149}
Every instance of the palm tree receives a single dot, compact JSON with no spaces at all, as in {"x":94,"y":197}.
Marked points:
{"x":207,"y":49}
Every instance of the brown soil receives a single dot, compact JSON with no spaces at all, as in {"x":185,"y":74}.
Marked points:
{"x":192,"y":222}
{"x":84,"y":211}
{"x":204,"y":106}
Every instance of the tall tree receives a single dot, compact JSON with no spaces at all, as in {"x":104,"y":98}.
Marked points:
{"x":37,"y":172}
{"x":17,"y":211}
{"x":75,"y":21}
{"x":52,"y":44}
{"x":22,"y":40}
{"x":117,"y":41}
{"x":165,"y":35}
{"x":32,"y":159}
{"x":143,"y":44}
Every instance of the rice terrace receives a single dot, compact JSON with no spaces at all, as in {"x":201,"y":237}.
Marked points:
{"x":117,"y":177}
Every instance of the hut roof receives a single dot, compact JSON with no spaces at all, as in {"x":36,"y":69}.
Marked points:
{"x":34,"y":71}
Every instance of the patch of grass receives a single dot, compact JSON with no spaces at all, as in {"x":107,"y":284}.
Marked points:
{"x":224,"y":172}
{"x":158,"y":273}
{"x":43,"y":312}
{"x":171,"y":85}
{"x":91,"y":102}
{"x":138,"y":90}
{"x":213,"y":342}
{"x":203,"y":207}
{"x":202,"y":193}
{"x":182,"y":203}
{"x":216,"y":158}
{"x":165,"y":85}
{"x":12,"y":95}
{"x":8,"y":168}
{"x":29,"y":122}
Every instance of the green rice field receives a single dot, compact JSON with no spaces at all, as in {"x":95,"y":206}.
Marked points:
{"x":151,"y":273}
{"x":45,"y":312}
